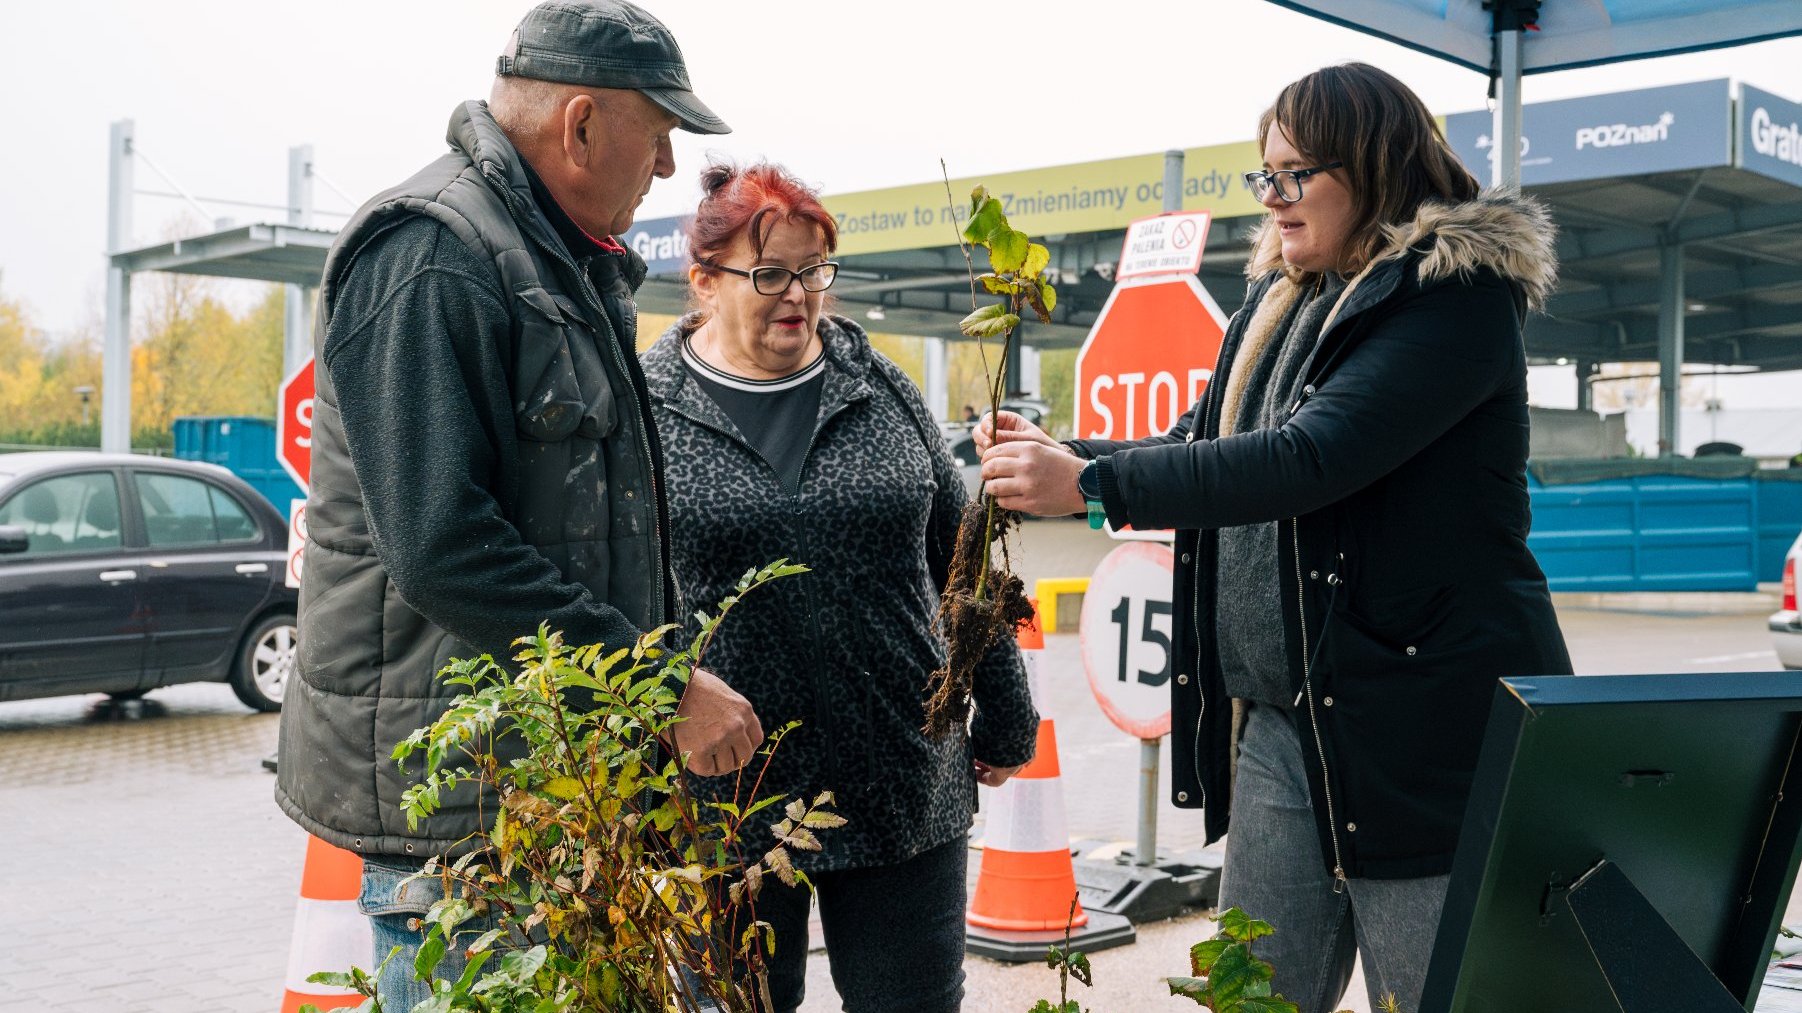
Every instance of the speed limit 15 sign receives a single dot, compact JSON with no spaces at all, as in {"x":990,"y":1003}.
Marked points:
{"x":1126,"y":628}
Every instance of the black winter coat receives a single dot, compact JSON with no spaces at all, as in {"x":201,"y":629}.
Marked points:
{"x":845,"y":649}
{"x":1399,"y":488}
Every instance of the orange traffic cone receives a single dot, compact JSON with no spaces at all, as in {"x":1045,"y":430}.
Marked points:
{"x":1027,"y":882}
{"x":330,"y":934}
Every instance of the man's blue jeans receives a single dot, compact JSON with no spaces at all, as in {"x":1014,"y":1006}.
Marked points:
{"x":396,"y":915}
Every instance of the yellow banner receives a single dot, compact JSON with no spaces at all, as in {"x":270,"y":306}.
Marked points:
{"x":1085,"y":197}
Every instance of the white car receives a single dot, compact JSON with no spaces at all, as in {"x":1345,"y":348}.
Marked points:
{"x":1786,"y":624}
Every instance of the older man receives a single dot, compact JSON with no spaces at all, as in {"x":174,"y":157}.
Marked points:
{"x":483,"y":456}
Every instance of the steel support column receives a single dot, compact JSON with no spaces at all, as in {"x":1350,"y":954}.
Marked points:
{"x":115,"y":370}
{"x":297,"y":300}
{"x":938,"y":393}
{"x":1670,"y":347}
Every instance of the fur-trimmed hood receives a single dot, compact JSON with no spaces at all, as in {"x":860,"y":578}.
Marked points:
{"x":1506,"y":232}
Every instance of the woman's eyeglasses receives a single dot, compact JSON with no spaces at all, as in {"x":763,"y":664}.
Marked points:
{"x":776,"y":280}
{"x":1286,"y":181}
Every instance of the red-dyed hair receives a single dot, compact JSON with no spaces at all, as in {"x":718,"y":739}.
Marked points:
{"x":751,"y":201}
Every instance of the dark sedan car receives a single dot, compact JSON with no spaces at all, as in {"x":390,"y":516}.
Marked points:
{"x":121,"y":573}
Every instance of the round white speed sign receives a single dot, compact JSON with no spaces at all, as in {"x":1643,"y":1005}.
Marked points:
{"x":1126,"y":628}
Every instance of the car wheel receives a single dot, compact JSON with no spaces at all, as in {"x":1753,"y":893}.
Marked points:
{"x":265,"y":662}
{"x":127,"y":695}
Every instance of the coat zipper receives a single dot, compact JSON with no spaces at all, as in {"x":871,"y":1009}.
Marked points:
{"x":821,"y":688}
{"x":1201,"y":696}
{"x":644,"y":439}
{"x":1307,"y":689}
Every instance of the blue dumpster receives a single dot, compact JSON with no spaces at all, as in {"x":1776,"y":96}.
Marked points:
{"x":1662,"y":525}
{"x":244,"y":445}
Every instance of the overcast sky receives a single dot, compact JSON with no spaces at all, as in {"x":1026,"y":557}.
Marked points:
{"x":851,"y":95}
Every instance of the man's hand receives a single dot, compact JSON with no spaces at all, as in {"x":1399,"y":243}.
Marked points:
{"x":719,"y":732}
{"x":1033,"y":478}
{"x":995,"y":777}
{"x":1006,"y":428}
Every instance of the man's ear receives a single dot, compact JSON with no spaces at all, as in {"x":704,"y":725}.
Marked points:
{"x":581,"y":128}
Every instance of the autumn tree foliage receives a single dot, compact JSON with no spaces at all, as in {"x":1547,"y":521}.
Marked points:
{"x":192,"y":354}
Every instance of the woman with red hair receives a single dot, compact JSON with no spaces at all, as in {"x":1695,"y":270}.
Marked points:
{"x":787,"y":436}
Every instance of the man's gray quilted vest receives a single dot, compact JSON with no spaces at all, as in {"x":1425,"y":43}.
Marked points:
{"x":578,"y":484}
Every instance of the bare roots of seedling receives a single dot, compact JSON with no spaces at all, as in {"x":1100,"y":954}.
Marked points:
{"x":978,"y":611}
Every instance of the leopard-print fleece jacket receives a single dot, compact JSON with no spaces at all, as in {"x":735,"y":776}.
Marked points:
{"x":846,"y":648}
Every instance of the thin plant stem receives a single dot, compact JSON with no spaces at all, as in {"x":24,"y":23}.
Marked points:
{"x":996,"y":380}
{"x":1063,"y":969}
{"x":951,"y":205}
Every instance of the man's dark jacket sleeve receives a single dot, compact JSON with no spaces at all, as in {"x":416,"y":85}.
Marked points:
{"x":414,"y":348}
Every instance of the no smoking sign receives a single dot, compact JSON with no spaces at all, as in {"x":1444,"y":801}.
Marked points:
{"x":1163,"y":244}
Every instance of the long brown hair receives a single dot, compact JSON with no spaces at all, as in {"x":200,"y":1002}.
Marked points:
{"x":1395,"y":156}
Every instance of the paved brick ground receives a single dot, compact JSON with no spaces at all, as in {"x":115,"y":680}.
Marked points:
{"x":150,"y":870}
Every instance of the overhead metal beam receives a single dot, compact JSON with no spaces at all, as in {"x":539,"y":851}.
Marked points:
{"x":279,"y":253}
{"x":1550,"y":336}
{"x":1716,"y":326}
{"x":899,"y":284}
{"x":1704,"y":286}
{"x":1724,"y":225}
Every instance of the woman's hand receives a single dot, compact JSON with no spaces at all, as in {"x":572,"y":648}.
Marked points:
{"x":1006,"y":428}
{"x":995,"y":777}
{"x":1032,"y":477}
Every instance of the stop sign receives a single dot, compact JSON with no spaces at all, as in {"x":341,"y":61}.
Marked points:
{"x":294,"y":423}
{"x":1148,"y":357}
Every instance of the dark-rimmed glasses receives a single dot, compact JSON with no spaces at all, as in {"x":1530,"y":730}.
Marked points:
{"x":1286,"y":181}
{"x":776,"y":280}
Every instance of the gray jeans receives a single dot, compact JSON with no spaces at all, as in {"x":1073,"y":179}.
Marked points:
{"x":1274,"y":872}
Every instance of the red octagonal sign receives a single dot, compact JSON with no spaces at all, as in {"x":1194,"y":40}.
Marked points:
{"x":294,"y":424}
{"x":1148,"y":357}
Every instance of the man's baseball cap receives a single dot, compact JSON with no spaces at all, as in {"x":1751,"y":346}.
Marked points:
{"x":607,"y":44}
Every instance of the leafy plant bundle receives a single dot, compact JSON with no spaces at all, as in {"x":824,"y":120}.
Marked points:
{"x":1068,"y":963}
{"x":605,"y":882}
{"x":1226,"y":977}
{"x":982,"y":603}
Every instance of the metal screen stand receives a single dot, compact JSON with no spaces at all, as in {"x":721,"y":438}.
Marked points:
{"x":1648,"y":966}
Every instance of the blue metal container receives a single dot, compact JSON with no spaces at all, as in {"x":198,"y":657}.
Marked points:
{"x":244,"y":445}
{"x":1664,"y":532}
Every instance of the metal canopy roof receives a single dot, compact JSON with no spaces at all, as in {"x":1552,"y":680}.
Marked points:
{"x":1742,"y":234}
{"x":1742,"y":239}
{"x":286,"y":254}
{"x":1626,"y":175}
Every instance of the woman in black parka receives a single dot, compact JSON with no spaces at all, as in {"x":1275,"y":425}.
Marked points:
{"x":1351,"y":509}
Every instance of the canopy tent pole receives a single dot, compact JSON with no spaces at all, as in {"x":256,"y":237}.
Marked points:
{"x":1505,"y":170}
